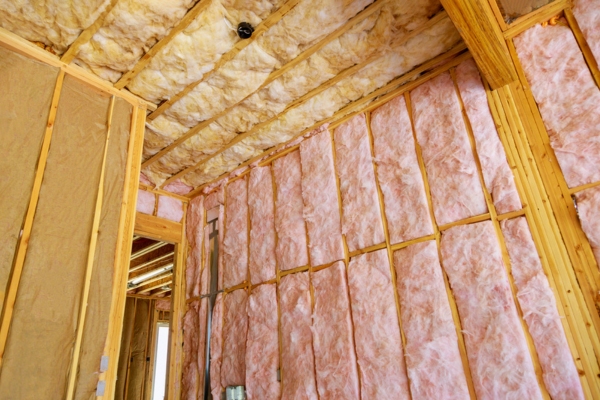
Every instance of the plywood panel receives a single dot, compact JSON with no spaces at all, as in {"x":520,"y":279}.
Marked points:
{"x":45,"y":313}
{"x":139,"y":342}
{"x":125,"y":347}
{"x":27,"y":88}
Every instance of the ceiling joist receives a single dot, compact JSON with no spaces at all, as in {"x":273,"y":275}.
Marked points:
{"x":87,"y":34}
{"x":374,"y":7}
{"x":152,"y":280}
{"x":404,"y":83}
{"x":147,"y":249}
{"x":296,"y":103}
{"x":168,"y":257}
{"x":258,"y":32}
{"x":155,"y":286}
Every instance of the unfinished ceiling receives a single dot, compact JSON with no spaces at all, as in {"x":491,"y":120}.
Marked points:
{"x":225,"y":100}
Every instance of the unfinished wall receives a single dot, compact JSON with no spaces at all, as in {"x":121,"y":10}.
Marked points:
{"x":65,"y":221}
{"x":455,"y":282}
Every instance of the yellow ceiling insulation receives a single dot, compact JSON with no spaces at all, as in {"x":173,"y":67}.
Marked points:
{"x":235,"y":90}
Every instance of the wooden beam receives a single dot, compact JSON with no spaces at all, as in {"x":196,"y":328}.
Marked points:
{"x":87,"y":34}
{"x":147,"y":249}
{"x":73,"y":370}
{"x":374,"y":7}
{"x":161,"y":192}
{"x":155,"y":286}
{"x":258,"y":32}
{"x":397,"y":86}
{"x":481,"y":32}
{"x":538,"y":16}
{"x":583,"y":45}
{"x":150,"y":262}
{"x":189,"y":17}
{"x":157,"y":228}
{"x":296,"y":103}
{"x":144,"y":296}
{"x":23,"y":242}
{"x":112,"y":346}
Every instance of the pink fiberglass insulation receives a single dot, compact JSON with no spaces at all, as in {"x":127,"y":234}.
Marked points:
{"x":190,"y":379}
{"x":433,"y":359}
{"x":335,"y":359}
{"x":399,"y":174}
{"x":376,"y":328}
{"x":216,"y":347}
{"x":215,"y":199}
{"x":195,"y":236}
{"x":178,"y":187}
{"x":588,"y":209}
{"x":262,"y":348}
{"x":262,"y":225}
{"x":145,"y":202}
{"x":221,"y":239}
{"x":539,"y":310}
{"x":361,"y":220}
{"x":163,"y":304}
{"x":170,"y":208}
{"x":298,"y":361}
{"x":321,"y":207}
{"x":235,"y":329}
{"x":587,"y":14}
{"x":501,"y":366}
{"x":205,"y":274}
{"x":451,"y":170}
{"x":289,"y":222}
{"x":497,"y":175}
{"x":567,"y":97}
{"x":235,"y":242}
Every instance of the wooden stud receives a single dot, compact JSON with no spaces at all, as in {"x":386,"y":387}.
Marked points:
{"x":23,"y":242}
{"x":396,"y":87}
{"x":498,"y":14}
{"x":189,"y":17}
{"x":87,"y":280}
{"x":131,"y":334}
{"x":264,"y":26}
{"x":87,"y":34}
{"x":469,"y":220}
{"x":374,"y":7}
{"x":583,"y":45}
{"x":112,"y":346}
{"x":578,"y":189}
{"x":540,"y":15}
{"x":480,"y":30}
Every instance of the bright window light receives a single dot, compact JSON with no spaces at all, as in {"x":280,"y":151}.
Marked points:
{"x":160,"y":364}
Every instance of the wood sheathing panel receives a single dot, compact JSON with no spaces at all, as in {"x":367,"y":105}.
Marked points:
{"x":45,"y":313}
{"x":100,"y":296}
{"x":27,"y":88}
{"x":139,"y":342}
{"x":500,"y":362}
{"x":128,"y":319}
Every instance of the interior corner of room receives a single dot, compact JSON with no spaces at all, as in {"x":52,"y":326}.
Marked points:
{"x":300,"y":199}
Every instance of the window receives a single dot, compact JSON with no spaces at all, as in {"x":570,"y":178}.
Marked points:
{"x":160,"y":364}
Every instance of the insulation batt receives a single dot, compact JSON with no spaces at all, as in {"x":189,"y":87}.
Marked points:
{"x":190,"y":374}
{"x":588,"y":209}
{"x":215,"y":199}
{"x":335,"y":359}
{"x":221,"y":238}
{"x":145,"y":202}
{"x":216,"y":348}
{"x":400,"y":178}
{"x":235,"y":329}
{"x":433,"y":359}
{"x":56,"y":23}
{"x":571,"y":115}
{"x":587,"y":14}
{"x":361,"y":220}
{"x":455,"y":189}
{"x":376,"y":328}
{"x":321,"y":207}
{"x":178,"y":187}
{"x":130,"y":29}
{"x":289,"y":222}
{"x":497,"y":175}
{"x":170,"y":208}
{"x":400,"y":60}
{"x":539,"y":311}
{"x":194,"y":51}
{"x":262,"y":351}
{"x":297,"y":358}
{"x":194,"y":233}
{"x":235,"y":241}
{"x":499,"y":359}
{"x":262,"y":225}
